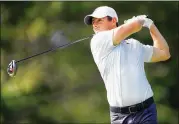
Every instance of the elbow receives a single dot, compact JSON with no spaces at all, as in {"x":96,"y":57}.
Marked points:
{"x":167,"y":56}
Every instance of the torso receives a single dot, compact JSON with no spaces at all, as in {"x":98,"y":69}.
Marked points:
{"x":122,"y":71}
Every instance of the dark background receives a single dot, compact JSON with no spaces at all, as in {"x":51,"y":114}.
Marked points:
{"x":65,"y":86}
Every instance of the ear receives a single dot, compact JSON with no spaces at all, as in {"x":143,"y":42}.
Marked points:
{"x":114,"y":20}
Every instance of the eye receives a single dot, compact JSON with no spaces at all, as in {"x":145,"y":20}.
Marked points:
{"x":96,"y":20}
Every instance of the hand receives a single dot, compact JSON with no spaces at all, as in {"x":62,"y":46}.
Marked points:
{"x":130,"y":20}
{"x":145,"y":22}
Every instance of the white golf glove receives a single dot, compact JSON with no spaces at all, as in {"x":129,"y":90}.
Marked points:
{"x":129,"y":20}
{"x":147,"y":22}
{"x":142,"y":18}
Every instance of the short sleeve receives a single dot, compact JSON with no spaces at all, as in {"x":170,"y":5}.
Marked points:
{"x":102,"y":44}
{"x":145,"y":51}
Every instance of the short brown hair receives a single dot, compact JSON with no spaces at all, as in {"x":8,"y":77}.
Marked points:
{"x":110,"y":18}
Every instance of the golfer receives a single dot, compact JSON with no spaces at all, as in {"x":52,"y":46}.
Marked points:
{"x":121,"y":64}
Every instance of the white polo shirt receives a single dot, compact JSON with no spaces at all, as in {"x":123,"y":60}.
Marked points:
{"x":122,"y":68}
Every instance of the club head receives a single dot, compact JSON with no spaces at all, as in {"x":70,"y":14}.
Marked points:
{"x":12,"y":68}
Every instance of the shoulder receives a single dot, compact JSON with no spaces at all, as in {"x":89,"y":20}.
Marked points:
{"x":135,"y":44}
{"x":102,"y":35}
{"x":101,"y":38}
{"x":133,"y":41}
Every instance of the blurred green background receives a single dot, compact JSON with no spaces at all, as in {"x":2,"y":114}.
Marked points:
{"x":65,"y":86}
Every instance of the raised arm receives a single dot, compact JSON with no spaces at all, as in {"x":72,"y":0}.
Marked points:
{"x":131,"y":26}
{"x":161,"y":49}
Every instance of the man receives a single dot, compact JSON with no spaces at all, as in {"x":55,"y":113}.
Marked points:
{"x":121,"y":64}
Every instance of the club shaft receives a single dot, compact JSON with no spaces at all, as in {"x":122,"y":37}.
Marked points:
{"x":54,"y":48}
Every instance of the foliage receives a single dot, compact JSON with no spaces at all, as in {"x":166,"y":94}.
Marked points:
{"x":65,"y":86}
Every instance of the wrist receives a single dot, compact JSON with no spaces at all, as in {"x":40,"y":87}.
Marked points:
{"x":139,"y":25}
{"x":147,"y":23}
{"x":153,"y":28}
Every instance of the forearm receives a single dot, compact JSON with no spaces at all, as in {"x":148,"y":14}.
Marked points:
{"x":134,"y":26}
{"x":158,"y":39}
{"x":137,"y":26}
{"x":126,"y":30}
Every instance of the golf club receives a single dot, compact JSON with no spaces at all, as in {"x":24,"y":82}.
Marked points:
{"x":12,"y":67}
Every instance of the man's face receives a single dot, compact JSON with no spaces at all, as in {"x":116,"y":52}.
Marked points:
{"x":102,"y":24}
